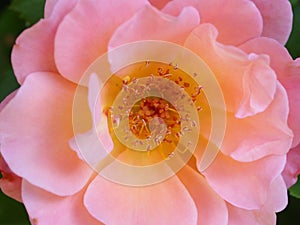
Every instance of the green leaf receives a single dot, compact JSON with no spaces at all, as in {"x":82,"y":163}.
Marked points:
{"x":295,"y":189}
{"x":30,"y":10}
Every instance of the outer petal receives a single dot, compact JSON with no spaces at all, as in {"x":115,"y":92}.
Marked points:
{"x":238,"y":216}
{"x":35,"y":128}
{"x":244,"y":185}
{"x":261,"y":135}
{"x":247,"y":81}
{"x":164,"y":203}
{"x":279,"y":55}
{"x":57,"y":9}
{"x":46,"y":208}
{"x":287,"y":71}
{"x":277,"y":200}
{"x":49,"y":7}
{"x":84,"y":33}
{"x":292,"y":168}
{"x":10,"y":183}
{"x":33,"y":51}
{"x":7,"y":100}
{"x":249,"y":89}
{"x":277,"y":18}
{"x":291,"y":82}
{"x":34,"y":48}
{"x":236,"y":20}
{"x":211,"y":208}
{"x":149,"y":23}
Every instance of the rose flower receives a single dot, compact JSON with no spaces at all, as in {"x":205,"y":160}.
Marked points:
{"x":204,"y":129}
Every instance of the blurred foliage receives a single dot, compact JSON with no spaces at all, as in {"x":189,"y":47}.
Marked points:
{"x":29,"y":10}
{"x":10,"y":27}
{"x":12,"y":212}
{"x":294,"y":2}
{"x":293,"y":44}
{"x":17,"y":15}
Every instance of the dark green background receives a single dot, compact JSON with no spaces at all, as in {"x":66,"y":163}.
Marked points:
{"x":12,"y":22}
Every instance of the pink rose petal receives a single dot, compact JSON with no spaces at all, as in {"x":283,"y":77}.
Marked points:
{"x":292,"y":168}
{"x":84,"y":33}
{"x":277,"y":198}
{"x":164,"y":203}
{"x":30,"y":55}
{"x":35,"y":129}
{"x":244,"y":185}
{"x":7,"y":100}
{"x":58,"y":9}
{"x":238,"y":216}
{"x":279,"y":55}
{"x":236,"y":20}
{"x":46,"y":208}
{"x":151,"y":24}
{"x":34,"y":48}
{"x":247,"y":81}
{"x":211,"y":207}
{"x":261,"y":135}
{"x":277,"y":18}
{"x":287,"y":72}
{"x":291,"y":82}
{"x":49,"y":7}
{"x":10,"y":183}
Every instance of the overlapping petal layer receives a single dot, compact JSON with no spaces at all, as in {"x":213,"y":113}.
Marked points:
{"x":113,"y":203}
{"x":34,"y":131}
{"x":84,"y":33}
{"x":46,"y":208}
{"x":151,"y":24}
{"x":228,"y":16}
{"x":250,"y":180}
{"x":34,"y":48}
{"x":277,"y":18}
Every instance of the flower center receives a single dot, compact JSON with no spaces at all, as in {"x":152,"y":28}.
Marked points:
{"x":144,"y":111}
{"x":152,"y":108}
